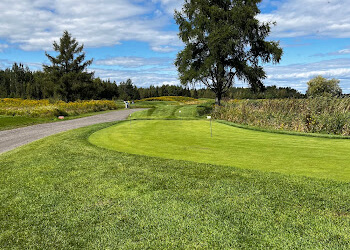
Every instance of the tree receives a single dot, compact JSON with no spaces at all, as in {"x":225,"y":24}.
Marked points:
{"x":320,"y":86}
{"x":128,"y":91}
{"x":68,"y":69}
{"x":223,"y":41}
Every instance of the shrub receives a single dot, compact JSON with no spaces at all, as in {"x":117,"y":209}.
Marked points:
{"x":205,"y":108}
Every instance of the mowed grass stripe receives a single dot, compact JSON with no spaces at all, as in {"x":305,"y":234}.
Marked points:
{"x":168,"y":112}
{"x":230,"y":146}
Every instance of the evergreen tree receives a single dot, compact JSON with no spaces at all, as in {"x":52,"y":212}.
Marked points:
{"x":68,"y":69}
{"x":128,"y":91}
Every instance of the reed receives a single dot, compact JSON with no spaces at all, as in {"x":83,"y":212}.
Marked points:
{"x":314,"y":115}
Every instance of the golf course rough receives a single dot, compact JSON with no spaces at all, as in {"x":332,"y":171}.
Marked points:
{"x":190,"y":140}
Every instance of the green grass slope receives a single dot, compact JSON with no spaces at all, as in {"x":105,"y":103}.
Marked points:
{"x":168,"y":112}
{"x":231,"y":146}
{"x":64,"y":193}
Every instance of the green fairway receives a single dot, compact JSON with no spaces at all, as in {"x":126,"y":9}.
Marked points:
{"x":168,"y":112}
{"x":63,"y":193}
{"x":190,"y":140}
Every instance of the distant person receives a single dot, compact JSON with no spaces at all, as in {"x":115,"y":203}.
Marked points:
{"x":126,"y":104}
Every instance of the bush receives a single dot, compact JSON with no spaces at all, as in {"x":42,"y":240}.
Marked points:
{"x":59,"y":112}
{"x":205,"y":108}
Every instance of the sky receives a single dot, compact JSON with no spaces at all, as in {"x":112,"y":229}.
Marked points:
{"x":138,"y":39}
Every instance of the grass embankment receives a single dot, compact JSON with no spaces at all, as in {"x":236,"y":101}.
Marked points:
{"x":170,"y":107}
{"x":168,"y":112}
{"x":316,"y":115}
{"x":178,"y":99}
{"x":62,"y":193}
{"x":230,"y":146}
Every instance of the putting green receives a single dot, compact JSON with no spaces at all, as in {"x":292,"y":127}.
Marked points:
{"x":230,"y":146}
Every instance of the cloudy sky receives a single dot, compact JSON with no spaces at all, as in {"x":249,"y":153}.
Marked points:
{"x":138,"y":39}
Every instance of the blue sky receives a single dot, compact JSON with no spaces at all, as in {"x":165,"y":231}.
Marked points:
{"x":138,"y":39}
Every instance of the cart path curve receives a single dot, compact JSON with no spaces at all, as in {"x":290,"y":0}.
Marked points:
{"x":11,"y":139}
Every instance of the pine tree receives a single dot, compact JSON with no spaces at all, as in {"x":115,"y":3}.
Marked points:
{"x":68,"y":69}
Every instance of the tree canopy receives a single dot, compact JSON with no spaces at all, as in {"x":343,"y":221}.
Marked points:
{"x":320,"y":86}
{"x":223,"y":41}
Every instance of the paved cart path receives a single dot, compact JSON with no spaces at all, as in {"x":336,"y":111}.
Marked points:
{"x":10,"y":139}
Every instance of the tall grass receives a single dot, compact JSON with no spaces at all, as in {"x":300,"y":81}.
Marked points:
{"x":316,"y":115}
{"x":47,"y":108}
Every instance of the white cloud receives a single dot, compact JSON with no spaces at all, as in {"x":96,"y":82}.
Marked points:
{"x":4,"y":63}
{"x":297,"y":75}
{"x":164,"y":48}
{"x":135,"y":62}
{"x":334,"y":53}
{"x":343,"y":52}
{"x":35,"y":24}
{"x":306,"y":75}
{"x":3,"y":46}
{"x":170,"y":5}
{"x":319,"y":18}
{"x":139,"y":77}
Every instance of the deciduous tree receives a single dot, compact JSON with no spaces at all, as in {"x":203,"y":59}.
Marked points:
{"x":320,"y":86}
{"x":223,"y":40}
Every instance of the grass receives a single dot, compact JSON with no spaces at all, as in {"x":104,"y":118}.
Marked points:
{"x":168,"y":112}
{"x":157,"y":109}
{"x":63,"y":193}
{"x":10,"y":122}
{"x":325,"y":115}
{"x":16,"y":112}
{"x":152,"y":103}
{"x":47,"y":108}
{"x":179,"y":99}
{"x":230,"y":146}
{"x":284,"y":132}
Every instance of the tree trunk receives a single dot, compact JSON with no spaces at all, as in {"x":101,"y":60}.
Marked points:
{"x":218,"y":99}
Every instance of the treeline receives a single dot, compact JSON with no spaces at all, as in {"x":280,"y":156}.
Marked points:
{"x":270,"y":92}
{"x":20,"y":82}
